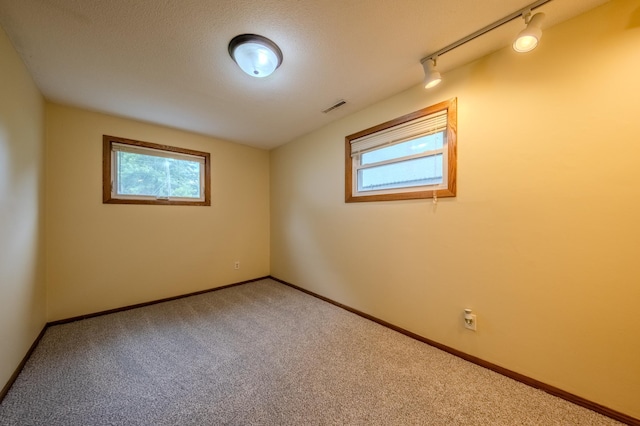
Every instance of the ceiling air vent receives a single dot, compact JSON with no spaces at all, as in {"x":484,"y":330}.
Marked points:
{"x":334,"y":106}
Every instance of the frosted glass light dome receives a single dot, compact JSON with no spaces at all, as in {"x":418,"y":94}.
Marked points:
{"x":255,"y":55}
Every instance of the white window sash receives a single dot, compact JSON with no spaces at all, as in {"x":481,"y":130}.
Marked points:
{"x":435,"y":186}
{"x":431,"y":153}
{"x":357,"y":167}
{"x":116,"y":147}
{"x":399,"y":190}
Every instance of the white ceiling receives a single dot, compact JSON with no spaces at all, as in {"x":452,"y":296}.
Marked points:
{"x":166,"y":61}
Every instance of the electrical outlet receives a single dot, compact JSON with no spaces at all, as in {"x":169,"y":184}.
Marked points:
{"x":236,"y":264}
{"x":470,"y":321}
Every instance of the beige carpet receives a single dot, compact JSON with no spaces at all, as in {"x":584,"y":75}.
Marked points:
{"x":262,"y":354}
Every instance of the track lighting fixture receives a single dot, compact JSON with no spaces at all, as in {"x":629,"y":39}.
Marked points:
{"x":529,"y":38}
{"x":255,"y":55}
{"x":431,"y":75}
{"x":526,"y":41}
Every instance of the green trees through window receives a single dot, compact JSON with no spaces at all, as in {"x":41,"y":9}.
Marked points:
{"x":140,"y":174}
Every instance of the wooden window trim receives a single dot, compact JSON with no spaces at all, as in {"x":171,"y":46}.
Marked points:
{"x":107,"y":142}
{"x":452,"y":131}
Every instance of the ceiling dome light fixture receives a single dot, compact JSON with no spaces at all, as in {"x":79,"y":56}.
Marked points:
{"x":431,"y":75}
{"x":255,"y":55}
{"x":529,"y":38}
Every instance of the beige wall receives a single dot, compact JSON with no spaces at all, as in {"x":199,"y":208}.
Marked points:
{"x":22,"y":291}
{"x":103,"y":256}
{"x":543,"y":239}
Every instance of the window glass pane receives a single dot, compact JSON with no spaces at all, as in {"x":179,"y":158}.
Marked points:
{"x":410,"y":147}
{"x":416,"y":172}
{"x":149,"y":175}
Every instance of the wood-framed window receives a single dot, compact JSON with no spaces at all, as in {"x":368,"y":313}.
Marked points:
{"x":410,"y":157}
{"x":135,"y":172}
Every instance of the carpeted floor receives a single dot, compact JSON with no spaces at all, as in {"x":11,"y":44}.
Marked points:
{"x":261,"y":354}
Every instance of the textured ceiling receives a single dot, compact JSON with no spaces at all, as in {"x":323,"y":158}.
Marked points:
{"x":166,"y":61}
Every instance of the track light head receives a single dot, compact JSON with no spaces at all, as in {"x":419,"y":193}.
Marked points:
{"x":431,"y":75}
{"x":529,"y":38}
{"x":526,"y":41}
